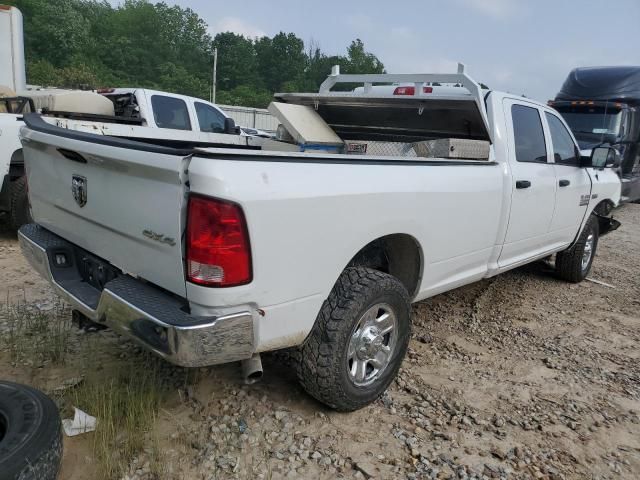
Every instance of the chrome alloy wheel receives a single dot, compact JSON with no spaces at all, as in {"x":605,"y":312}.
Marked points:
{"x":372,"y":345}
{"x":588,"y":251}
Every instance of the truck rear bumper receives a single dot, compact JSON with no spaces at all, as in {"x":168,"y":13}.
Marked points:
{"x":151,"y":316}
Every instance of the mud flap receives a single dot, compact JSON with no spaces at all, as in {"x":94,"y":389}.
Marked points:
{"x":607,"y":224}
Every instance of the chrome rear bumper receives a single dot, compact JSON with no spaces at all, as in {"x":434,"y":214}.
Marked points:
{"x":147,"y":314}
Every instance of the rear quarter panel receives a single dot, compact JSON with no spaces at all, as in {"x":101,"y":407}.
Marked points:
{"x":307,"y":220}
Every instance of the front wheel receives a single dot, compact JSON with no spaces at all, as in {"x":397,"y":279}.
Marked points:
{"x":359,"y":340}
{"x":574,"y":264}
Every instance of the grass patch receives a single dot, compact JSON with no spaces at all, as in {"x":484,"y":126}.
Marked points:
{"x":125,"y":400}
{"x":124,"y":394}
{"x":36,"y":335}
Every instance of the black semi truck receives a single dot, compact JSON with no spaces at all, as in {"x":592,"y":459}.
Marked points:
{"x":602,"y":107}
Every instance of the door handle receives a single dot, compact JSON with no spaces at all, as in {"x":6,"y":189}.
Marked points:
{"x":523,"y":183}
{"x":564,"y":183}
{"x":71,"y":155}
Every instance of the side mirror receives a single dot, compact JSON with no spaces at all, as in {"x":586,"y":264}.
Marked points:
{"x":604,"y":157}
{"x":230,"y":126}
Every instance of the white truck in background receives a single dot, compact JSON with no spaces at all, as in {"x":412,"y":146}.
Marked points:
{"x":319,"y":241}
{"x":155,"y":117}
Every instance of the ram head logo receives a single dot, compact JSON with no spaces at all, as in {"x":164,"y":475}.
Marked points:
{"x":79,"y":189}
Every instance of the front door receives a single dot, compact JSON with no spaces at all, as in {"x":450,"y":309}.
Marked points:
{"x":534,"y":185}
{"x":574,"y":184}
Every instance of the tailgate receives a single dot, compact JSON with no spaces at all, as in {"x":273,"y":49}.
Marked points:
{"x":119,"y":199}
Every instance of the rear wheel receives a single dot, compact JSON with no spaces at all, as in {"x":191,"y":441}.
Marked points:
{"x":359,"y":340}
{"x":574,"y":264}
{"x":20,"y":208}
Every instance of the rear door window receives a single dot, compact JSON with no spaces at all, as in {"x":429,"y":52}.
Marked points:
{"x":170,"y":112}
{"x":528,"y":134}
{"x":209,"y":118}
{"x":564,"y":150}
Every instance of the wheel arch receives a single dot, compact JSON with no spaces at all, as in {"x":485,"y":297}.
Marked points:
{"x":601,"y":211}
{"x":605,"y":207}
{"x":398,"y":254}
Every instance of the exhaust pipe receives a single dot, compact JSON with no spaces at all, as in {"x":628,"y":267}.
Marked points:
{"x":252,"y":369}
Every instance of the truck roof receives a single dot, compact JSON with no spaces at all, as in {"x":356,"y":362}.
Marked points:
{"x":149,"y":93}
{"x":602,"y":83}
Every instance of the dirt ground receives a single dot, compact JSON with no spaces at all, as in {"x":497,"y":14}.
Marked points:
{"x":520,"y":376}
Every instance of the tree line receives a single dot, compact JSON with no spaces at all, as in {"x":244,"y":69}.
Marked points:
{"x":91,"y":44}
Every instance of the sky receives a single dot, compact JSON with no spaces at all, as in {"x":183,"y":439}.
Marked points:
{"x":520,"y":46}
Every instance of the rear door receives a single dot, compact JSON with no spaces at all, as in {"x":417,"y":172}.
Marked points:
{"x":170,"y":112}
{"x":120,"y":200}
{"x":574,"y":184}
{"x":533,"y":184}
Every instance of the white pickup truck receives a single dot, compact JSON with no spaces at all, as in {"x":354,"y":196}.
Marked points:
{"x":156,"y":117}
{"x":135,"y":113}
{"x":207,"y":256}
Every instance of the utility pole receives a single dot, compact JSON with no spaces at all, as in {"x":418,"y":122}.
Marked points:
{"x":213,"y":83}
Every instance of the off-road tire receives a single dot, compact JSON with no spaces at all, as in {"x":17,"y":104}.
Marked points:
{"x":321,"y":362}
{"x":30,"y":434}
{"x":20,"y":209}
{"x":569,"y":262}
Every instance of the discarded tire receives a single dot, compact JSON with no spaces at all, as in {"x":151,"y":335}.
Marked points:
{"x":30,"y":434}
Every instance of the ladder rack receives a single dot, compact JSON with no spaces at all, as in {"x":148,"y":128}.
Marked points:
{"x":418,"y":79}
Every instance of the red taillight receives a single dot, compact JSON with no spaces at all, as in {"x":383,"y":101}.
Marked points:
{"x":218,"y":252}
{"x":411,"y":90}
{"x":105,"y":90}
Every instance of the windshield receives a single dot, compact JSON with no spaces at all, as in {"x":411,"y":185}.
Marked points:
{"x":593,"y":120}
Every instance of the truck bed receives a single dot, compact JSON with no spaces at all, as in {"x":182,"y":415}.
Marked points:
{"x":290,"y":200}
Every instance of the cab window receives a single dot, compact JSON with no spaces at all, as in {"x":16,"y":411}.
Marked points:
{"x":209,"y":118}
{"x":564,"y":150}
{"x":528,"y":134}
{"x":170,"y":112}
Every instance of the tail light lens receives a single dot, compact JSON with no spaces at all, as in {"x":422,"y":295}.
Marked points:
{"x":411,"y":90}
{"x":217,"y":244}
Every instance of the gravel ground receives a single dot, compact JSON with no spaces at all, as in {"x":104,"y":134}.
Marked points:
{"x":521,"y":376}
